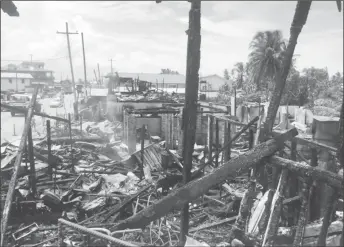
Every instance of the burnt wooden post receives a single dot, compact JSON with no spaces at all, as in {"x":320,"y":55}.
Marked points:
{"x":50,"y":168}
{"x":142,"y":149}
{"x":250,"y":138}
{"x":294,"y":188}
{"x":226,"y":138}
{"x":210,"y":137}
{"x":80,"y":117}
{"x":26,"y":150}
{"x":314,"y":210}
{"x":217,"y":142}
{"x":12,"y":184}
{"x":32,"y":163}
{"x":190,"y":107}
{"x":71,"y":141}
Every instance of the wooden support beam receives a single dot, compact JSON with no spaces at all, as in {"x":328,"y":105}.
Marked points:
{"x":143,"y":128}
{"x":330,"y":178}
{"x":227,"y":138}
{"x":50,"y":168}
{"x":32,"y":163}
{"x":190,"y":107}
{"x":191,"y":191}
{"x":71,"y":141}
{"x":12,"y":184}
{"x":276,"y":208}
{"x":237,"y":135}
{"x":217,"y":141}
{"x":210,"y":138}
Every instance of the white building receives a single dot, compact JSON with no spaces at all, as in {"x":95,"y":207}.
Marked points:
{"x":17,"y":82}
{"x":212,"y":83}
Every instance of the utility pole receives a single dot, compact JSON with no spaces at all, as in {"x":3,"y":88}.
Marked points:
{"x":99,"y":74}
{"x":83,"y":53}
{"x":67,"y":33}
{"x":111,"y":66}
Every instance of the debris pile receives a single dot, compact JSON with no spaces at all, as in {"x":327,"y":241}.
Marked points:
{"x":151,"y":95}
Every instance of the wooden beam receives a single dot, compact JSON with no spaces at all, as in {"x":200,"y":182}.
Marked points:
{"x":190,"y":107}
{"x":196,"y":188}
{"x":12,"y":184}
{"x":330,"y":178}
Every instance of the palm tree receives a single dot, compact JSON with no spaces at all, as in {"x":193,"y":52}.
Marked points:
{"x":267,"y":51}
{"x":238,"y":73}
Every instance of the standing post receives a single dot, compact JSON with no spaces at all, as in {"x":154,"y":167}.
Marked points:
{"x":227,"y":137}
{"x":71,"y":142}
{"x":71,"y":69}
{"x":190,"y":107}
{"x":12,"y":184}
{"x":50,"y":168}
{"x":210,"y":138}
{"x":217,"y":142}
{"x":26,"y":150}
{"x":142,"y":149}
{"x":32,"y":163}
{"x":100,"y":82}
{"x":81,"y":124}
{"x":83,"y":53}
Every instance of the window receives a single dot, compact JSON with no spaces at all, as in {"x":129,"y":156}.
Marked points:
{"x":10,"y":80}
{"x":204,"y":88}
{"x":23,"y":81}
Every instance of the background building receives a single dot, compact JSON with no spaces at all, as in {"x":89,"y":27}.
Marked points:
{"x":17,"y":82}
{"x":40,"y":75}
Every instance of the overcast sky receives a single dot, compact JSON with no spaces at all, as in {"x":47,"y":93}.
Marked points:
{"x":145,"y":36}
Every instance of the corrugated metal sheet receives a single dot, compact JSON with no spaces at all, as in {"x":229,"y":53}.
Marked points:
{"x":152,"y":157}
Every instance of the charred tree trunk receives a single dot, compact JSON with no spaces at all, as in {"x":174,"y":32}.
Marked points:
{"x":299,"y":20}
{"x":190,"y":108}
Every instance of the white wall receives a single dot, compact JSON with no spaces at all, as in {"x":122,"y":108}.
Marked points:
{"x":16,"y":84}
{"x":214,"y":81}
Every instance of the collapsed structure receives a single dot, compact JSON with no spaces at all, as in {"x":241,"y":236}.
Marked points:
{"x":143,"y":181}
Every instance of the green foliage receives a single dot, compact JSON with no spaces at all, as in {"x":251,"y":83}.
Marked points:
{"x":169,"y":71}
{"x":265,"y":59}
{"x":226,"y":74}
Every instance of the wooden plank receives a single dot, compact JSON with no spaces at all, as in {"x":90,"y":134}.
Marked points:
{"x":12,"y":184}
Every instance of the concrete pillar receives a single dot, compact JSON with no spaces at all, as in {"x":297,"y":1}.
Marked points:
{"x":131,"y":133}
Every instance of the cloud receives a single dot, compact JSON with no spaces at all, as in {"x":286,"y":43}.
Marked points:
{"x":145,"y":36}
